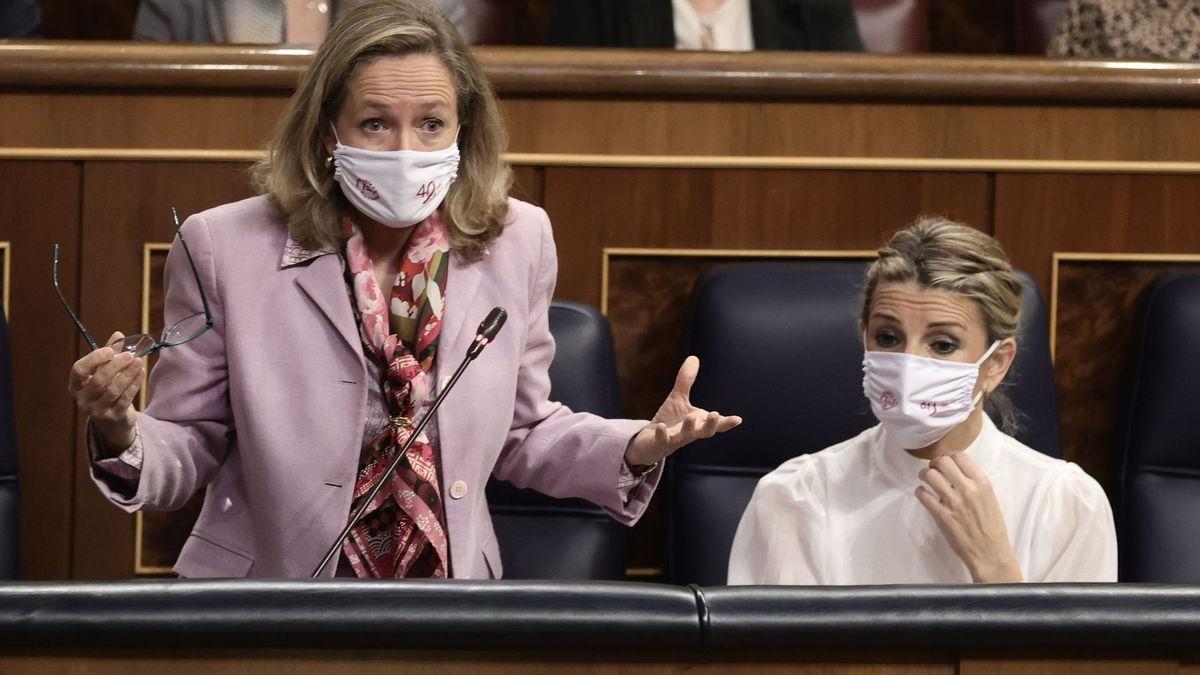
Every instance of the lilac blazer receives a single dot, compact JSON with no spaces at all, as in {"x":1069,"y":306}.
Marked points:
{"x":266,"y":410}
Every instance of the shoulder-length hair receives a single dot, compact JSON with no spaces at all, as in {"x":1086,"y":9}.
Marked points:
{"x":296,"y":173}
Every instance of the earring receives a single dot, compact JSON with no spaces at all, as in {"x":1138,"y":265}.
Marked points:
{"x":328,"y":162}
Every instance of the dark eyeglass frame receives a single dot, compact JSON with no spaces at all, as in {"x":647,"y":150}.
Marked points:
{"x":143,"y":344}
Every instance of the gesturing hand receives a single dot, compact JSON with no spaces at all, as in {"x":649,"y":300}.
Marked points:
{"x":964,"y":506}
{"x":677,"y":421}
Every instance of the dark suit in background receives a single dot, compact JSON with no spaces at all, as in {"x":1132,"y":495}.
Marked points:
{"x":20,"y":19}
{"x":808,"y":25}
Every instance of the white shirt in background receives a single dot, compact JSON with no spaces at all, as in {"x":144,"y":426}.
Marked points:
{"x":849,"y":515}
{"x":728,"y":28}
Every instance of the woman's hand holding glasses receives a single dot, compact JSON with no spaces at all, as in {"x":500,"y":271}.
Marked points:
{"x":104,"y":384}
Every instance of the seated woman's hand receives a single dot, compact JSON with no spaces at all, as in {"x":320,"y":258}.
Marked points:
{"x":677,"y":421}
{"x":965,"y":508}
{"x":104,"y":385}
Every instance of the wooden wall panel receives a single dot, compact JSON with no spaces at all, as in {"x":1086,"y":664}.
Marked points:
{"x":151,"y":120}
{"x":593,"y":208}
{"x":239,"y":122}
{"x":41,"y":207}
{"x":837,"y":209}
{"x":1038,"y":214}
{"x":529,"y":184}
{"x":126,"y":205}
{"x":850,"y":129}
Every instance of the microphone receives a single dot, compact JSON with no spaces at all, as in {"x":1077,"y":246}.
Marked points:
{"x":487,"y":331}
{"x":484,"y":335}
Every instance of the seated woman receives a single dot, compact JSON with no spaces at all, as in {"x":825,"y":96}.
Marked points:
{"x":935,"y":493}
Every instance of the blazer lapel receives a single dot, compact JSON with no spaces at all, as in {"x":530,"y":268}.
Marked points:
{"x":458,"y":329}
{"x":459,"y":320}
{"x":322,"y":281}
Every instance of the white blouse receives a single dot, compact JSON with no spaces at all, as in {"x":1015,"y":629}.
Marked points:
{"x":849,"y":515}
{"x":728,"y":28}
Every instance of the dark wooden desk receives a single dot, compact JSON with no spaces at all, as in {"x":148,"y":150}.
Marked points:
{"x":509,"y":627}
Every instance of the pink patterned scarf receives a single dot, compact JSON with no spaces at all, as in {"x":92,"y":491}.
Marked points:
{"x":402,"y":534}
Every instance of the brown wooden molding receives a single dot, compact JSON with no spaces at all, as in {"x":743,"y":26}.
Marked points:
{"x":522,"y":71}
{"x":808,"y":75}
{"x":137,"y":65}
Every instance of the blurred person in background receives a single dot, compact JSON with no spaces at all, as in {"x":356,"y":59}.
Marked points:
{"x":286,"y":21}
{"x":723,"y":25}
{"x":19,"y":19}
{"x":1129,"y":29}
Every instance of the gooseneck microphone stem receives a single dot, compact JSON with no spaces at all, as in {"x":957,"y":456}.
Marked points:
{"x":487,"y":331}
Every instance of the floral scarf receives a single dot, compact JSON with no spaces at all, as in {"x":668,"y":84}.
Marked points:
{"x":402,"y":533}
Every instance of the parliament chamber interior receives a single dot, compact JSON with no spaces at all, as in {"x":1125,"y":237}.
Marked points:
{"x":723,"y":202}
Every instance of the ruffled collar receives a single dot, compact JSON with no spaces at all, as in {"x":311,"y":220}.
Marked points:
{"x":295,"y":254}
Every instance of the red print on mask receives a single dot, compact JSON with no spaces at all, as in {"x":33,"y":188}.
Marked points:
{"x":427,"y":191}
{"x":887,"y":401}
{"x":931,"y":406}
{"x":367,"y":189}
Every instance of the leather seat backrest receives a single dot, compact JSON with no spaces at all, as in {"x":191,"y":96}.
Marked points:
{"x":10,"y":492}
{"x":1159,"y":512}
{"x":545,"y":538}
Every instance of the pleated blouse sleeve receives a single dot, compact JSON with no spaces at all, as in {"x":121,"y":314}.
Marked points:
{"x":780,"y":539}
{"x":1078,"y":540}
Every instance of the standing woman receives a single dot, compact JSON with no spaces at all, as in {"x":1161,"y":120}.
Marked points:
{"x":342,"y":298}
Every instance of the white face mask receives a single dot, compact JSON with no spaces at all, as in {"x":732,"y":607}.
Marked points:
{"x":397,"y":188}
{"x":918,"y":399}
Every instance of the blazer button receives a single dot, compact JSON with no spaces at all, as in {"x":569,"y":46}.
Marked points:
{"x":458,"y":490}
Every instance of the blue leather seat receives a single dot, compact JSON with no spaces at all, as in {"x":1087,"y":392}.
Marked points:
{"x":545,"y":538}
{"x":779,"y":344}
{"x":9,"y":486}
{"x":1159,"y":515}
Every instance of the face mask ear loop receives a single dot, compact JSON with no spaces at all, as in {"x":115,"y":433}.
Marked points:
{"x":335,"y":133}
{"x":978,"y":398}
{"x":988,"y":354}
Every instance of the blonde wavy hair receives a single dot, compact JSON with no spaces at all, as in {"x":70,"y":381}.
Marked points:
{"x":295,"y":174}
{"x":939,"y":253}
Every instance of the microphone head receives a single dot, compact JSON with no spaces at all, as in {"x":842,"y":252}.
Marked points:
{"x":487,"y":331}
{"x":492,"y":324}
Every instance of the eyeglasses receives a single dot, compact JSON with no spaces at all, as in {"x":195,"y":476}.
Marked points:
{"x":185,"y":330}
